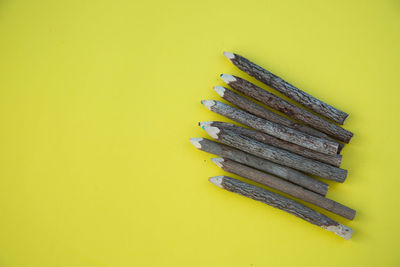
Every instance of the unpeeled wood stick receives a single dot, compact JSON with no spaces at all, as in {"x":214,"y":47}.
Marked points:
{"x":270,"y":140}
{"x":285,"y":187}
{"x":276,"y":155}
{"x":259,"y":111}
{"x":283,"y":172}
{"x":287,"y":89}
{"x":277,"y":130}
{"x":282,"y":203}
{"x":287,"y":108}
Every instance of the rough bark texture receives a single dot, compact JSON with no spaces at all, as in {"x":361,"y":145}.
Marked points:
{"x":277,"y":130}
{"x":287,"y":187}
{"x":290,"y":109}
{"x":259,"y":111}
{"x":283,"y":172}
{"x":289,"y":90}
{"x":268,"y":139}
{"x":281,"y":156}
{"x":285,"y":204}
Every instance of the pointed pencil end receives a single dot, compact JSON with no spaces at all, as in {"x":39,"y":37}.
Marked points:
{"x":228,"y":78}
{"x":341,"y":230}
{"x":212,"y":131}
{"x":203,"y":123}
{"x":229,"y":55}
{"x":208,"y":103}
{"x":217,"y":180}
{"x":217,"y":161}
{"x":220,"y":90}
{"x":196,"y":142}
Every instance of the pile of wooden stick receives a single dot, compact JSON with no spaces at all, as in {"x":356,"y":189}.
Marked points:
{"x":275,"y":151}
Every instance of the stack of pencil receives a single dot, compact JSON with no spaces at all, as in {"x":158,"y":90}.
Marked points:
{"x":278,"y":152}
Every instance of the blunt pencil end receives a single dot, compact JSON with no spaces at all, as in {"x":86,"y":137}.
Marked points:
{"x":217,"y":161}
{"x":196,"y":142}
{"x":220,"y":90}
{"x":212,"y":131}
{"x":229,"y":55}
{"x":227,"y":78}
{"x":217,"y":180}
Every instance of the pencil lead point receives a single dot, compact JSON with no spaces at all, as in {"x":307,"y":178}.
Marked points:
{"x":196,"y":142}
{"x":212,"y":131}
{"x":341,"y":230}
{"x":217,"y":180}
{"x":229,"y":55}
{"x":202,"y":123}
{"x":208,"y":103}
{"x":220,"y":90}
{"x":217,"y":161}
{"x":228,"y":78}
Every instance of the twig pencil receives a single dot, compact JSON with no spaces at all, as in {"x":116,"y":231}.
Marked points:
{"x":287,"y":89}
{"x":285,"y":187}
{"x":270,"y":140}
{"x":259,"y":111}
{"x":277,"y":130}
{"x":287,"y":108}
{"x":282,"y":203}
{"x":276,"y":155}
{"x":283,"y":172}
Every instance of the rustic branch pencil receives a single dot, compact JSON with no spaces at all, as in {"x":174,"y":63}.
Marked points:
{"x":283,"y":203}
{"x":287,"y":108}
{"x":276,"y":155}
{"x":285,"y":187}
{"x":268,"y":139}
{"x":287,"y":89}
{"x":259,"y":111}
{"x":277,"y":130}
{"x":283,"y":172}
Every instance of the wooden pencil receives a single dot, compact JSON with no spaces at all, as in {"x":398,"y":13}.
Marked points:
{"x":273,"y":141}
{"x":276,"y":155}
{"x":283,"y":203}
{"x":287,"y":89}
{"x":259,"y":111}
{"x":285,"y":187}
{"x":283,"y":172}
{"x":287,"y":108}
{"x":277,"y":130}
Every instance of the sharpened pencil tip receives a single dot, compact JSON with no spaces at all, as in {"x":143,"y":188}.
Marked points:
{"x":217,"y":161}
{"x":220,"y":90}
{"x":229,"y":55}
{"x":208,"y":103}
{"x":217,"y":180}
{"x":228,"y":78}
{"x":341,"y":230}
{"x":202,"y":123}
{"x":196,"y":142}
{"x":212,"y":131}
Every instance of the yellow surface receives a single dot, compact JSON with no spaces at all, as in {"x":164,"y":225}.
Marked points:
{"x":97,"y":103}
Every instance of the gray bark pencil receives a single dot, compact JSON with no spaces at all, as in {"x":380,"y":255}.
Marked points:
{"x":276,"y":155}
{"x":282,"y":203}
{"x":277,"y":130}
{"x":270,"y":140}
{"x":287,"y":89}
{"x":283,"y":172}
{"x":259,"y":111}
{"x":285,"y":187}
{"x":287,"y":108}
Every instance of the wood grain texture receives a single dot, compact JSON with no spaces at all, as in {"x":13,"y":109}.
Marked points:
{"x":289,"y":109}
{"x":277,"y":130}
{"x":289,"y":90}
{"x":276,"y":155}
{"x":283,"y":203}
{"x":283,"y":172}
{"x":273,"y":141}
{"x":259,"y":111}
{"x":285,"y":187}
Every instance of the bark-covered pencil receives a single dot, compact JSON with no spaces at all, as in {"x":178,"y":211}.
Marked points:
{"x":283,"y":203}
{"x":287,"y":108}
{"x":259,"y":111}
{"x":276,"y":155}
{"x":287,"y":89}
{"x":285,"y":187}
{"x":283,"y":172}
{"x":268,"y":139}
{"x":277,"y":130}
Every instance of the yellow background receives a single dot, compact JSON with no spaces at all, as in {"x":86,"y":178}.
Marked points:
{"x":99,"y":98}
